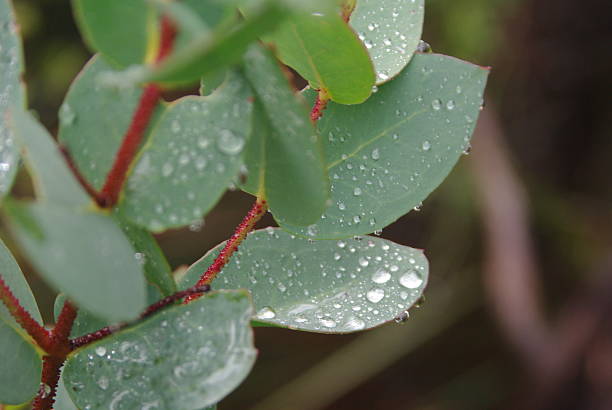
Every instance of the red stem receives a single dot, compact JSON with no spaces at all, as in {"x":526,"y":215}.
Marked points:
{"x":48,"y":388}
{"x":319,"y":105}
{"x":40,"y":335}
{"x":255,"y":213}
{"x":61,"y":332}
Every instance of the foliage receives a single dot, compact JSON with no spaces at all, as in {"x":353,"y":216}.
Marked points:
{"x":130,"y":164}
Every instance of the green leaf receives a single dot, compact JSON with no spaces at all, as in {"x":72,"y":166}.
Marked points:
{"x":391,"y":30}
{"x":84,"y":254}
{"x":62,"y":398}
{"x":385,"y":156}
{"x":323,"y":286}
{"x":53,"y":181}
{"x":14,"y":279}
{"x":93,"y":139}
{"x":150,"y":256}
{"x":324,"y":50}
{"x":285,"y":158}
{"x":21,"y":366}
{"x":185,"y":357}
{"x":119,"y":29}
{"x":217,"y":50}
{"x":189,"y":160}
{"x":84,"y":323}
{"x":12,"y":92}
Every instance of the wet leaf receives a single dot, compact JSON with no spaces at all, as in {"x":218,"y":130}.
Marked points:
{"x":12,"y":92}
{"x":84,"y":254}
{"x":285,"y":158}
{"x":322,"y":286}
{"x":185,"y":357}
{"x":324,"y":50}
{"x":132,"y":23}
{"x":21,"y":366}
{"x":84,"y":323}
{"x":386,"y":156}
{"x":390,"y":30}
{"x":191,"y":157}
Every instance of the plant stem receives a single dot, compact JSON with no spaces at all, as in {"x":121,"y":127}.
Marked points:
{"x":40,"y":335}
{"x":319,"y":105}
{"x":48,"y":387}
{"x":258,"y":210}
{"x":347,"y":9}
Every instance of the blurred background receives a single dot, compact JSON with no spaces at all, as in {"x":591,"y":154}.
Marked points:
{"x":519,"y":237}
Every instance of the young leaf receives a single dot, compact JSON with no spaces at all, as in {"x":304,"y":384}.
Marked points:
{"x":119,"y":29}
{"x":93,"y":139}
{"x":21,"y":366}
{"x":185,"y":357}
{"x":323,"y":286}
{"x":385,"y":156}
{"x":13,"y":277}
{"x":391,"y":30}
{"x":84,"y":254}
{"x":191,"y":157}
{"x":52,"y":179}
{"x":285,"y":158}
{"x":324,"y":50}
{"x":12,"y":92}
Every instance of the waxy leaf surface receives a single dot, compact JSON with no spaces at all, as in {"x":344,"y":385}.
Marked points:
{"x":384,"y":157}
{"x":21,"y":366}
{"x":12,"y":93}
{"x":119,"y":29}
{"x":324,"y":50}
{"x":191,"y":157}
{"x":284,"y":159}
{"x":324,"y":286}
{"x":390,"y":30}
{"x":84,"y":254}
{"x":184,"y":357}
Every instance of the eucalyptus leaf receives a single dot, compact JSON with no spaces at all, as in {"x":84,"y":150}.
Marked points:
{"x":119,"y":29}
{"x":62,"y":398}
{"x":184,"y":357}
{"x":12,"y":92}
{"x":322,"y":286}
{"x":285,"y":159}
{"x":391,"y":30}
{"x":191,"y":157}
{"x":385,"y":156}
{"x":84,"y":254}
{"x":93,"y":139}
{"x":53,"y":181}
{"x":21,"y":366}
{"x":14,"y":279}
{"x":84,"y":322}
{"x":324,"y":50}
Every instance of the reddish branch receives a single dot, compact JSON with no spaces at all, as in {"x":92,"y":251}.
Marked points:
{"x":258,"y":210}
{"x":319,"y":105}
{"x":48,"y":387}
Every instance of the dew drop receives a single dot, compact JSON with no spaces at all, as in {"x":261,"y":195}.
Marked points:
{"x":381,"y":276}
{"x":229,"y":143}
{"x":411,"y":280}
{"x":341,"y":244}
{"x":363,"y":262}
{"x":426,"y":145}
{"x":375,"y":295}
{"x":354,"y":324}
{"x":328,"y":322}
{"x":402,"y":317}
{"x":266,"y":313}
{"x":357,"y":191}
{"x":167,"y":169}
{"x":436,"y":104}
{"x":450,"y":105}
{"x":375,"y":154}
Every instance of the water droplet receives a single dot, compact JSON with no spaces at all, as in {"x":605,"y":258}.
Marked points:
{"x":203,"y":142}
{"x":411,"y":280}
{"x":341,"y":244}
{"x":402,"y":317}
{"x":436,"y":104}
{"x":103,"y":382}
{"x":328,"y":322}
{"x":381,"y":276}
{"x":354,"y":324}
{"x":229,"y":143}
{"x":45,"y":390}
{"x":423,"y":47}
{"x":66,"y":115}
{"x":363,"y":262}
{"x":418,"y":207}
{"x":100,"y":351}
{"x":357,"y":219}
{"x":167,"y":169}
{"x":375,"y":295}
{"x":426,"y":145}
{"x":375,"y":154}
{"x":357,"y":191}
{"x":450,"y":105}
{"x":266,"y":313}
{"x":341,"y":206}
{"x":337,"y":256}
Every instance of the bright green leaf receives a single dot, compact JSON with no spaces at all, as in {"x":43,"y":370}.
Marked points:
{"x":285,"y":158}
{"x":190,"y":158}
{"x":84,"y":254}
{"x":391,"y":30}
{"x":218,"y":49}
{"x":324,"y":50}
{"x":93,"y":139}
{"x":185,"y":357}
{"x":13,"y":277}
{"x":12,"y":92}
{"x":323,"y":286}
{"x":53,"y":180}
{"x":385,"y":156}
{"x":21,"y":366}
{"x":119,"y":29}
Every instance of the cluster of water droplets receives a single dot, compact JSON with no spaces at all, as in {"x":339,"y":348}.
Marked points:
{"x":390,"y":31}
{"x":184,"y":357}
{"x":326,"y":286}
